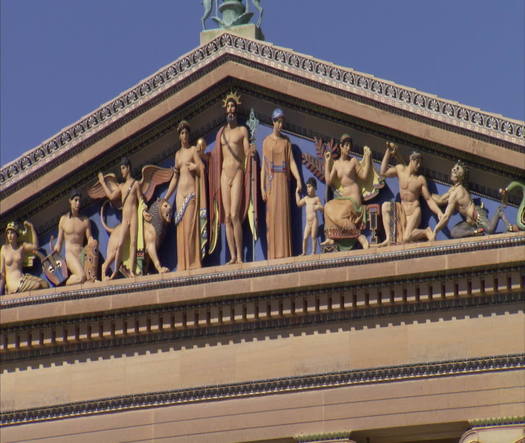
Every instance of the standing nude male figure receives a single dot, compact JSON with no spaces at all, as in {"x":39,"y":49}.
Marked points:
{"x":228,"y":182}
{"x":73,"y":229}
{"x":411,"y":187}
{"x":312,"y":203}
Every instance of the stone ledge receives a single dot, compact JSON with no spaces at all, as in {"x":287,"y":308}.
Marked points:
{"x":291,"y":274}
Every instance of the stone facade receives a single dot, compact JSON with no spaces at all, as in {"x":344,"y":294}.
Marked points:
{"x":413,"y":342}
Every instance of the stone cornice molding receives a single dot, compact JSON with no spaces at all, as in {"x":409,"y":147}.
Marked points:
{"x":327,"y":261}
{"x":273,"y":386}
{"x":324,"y":74}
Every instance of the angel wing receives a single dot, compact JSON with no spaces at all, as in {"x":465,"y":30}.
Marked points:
{"x":152,"y":176}
{"x":315,"y":165}
{"x":96,"y":190}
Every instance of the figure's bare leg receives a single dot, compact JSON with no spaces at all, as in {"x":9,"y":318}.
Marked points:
{"x":493,"y":223}
{"x":123,"y":230}
{"x":77,"y":271}
{"x":363,"y":241}
{"x":314,"y":229}
{"x":412,"y":232}
{"x":226,"y":203}
{"x":236,"y":197}
{"x":306,"y":234}
{"x":386,"y":211}
{"x":133,"y":243}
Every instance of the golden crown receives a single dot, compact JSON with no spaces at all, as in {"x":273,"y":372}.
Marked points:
{"x":232,"y":96}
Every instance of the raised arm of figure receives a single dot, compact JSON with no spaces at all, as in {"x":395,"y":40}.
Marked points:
{"x":385,"y":171}
{"x":451,"y":207}
{"x":30,"y":247}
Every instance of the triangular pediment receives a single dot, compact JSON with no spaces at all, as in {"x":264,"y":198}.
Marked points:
{"x":320,"y":100}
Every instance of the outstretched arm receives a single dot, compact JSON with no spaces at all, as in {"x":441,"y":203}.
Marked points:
{"x":428,"y":197}
{"x":295,"y":172}
{"x":451,"y":207}
{"x":442,"y":199}
{"x":298,"y":200}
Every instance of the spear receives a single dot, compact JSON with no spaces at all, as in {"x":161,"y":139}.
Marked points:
{"x":253,"y":216}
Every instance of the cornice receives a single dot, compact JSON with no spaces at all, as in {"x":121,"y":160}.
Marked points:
{"x":224,"y":274}
{"x":171,"y":78}
{"x":256,"y":388}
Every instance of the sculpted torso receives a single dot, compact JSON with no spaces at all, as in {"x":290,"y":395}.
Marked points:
{"x":232,"y":145}
{"x":75,"y":229}
{"x":185,"y":163}
{"x":409,"y":189}
{"x":129,"y":207}
{"x":13,"y":262}
{"x":345,"y":171}
{"x":464,"y":204}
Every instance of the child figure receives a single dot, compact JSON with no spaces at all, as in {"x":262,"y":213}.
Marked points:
{"x":312,"y":203}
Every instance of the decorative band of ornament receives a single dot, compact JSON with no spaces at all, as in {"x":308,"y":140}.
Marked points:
{"x":248,"y":327}
{"x":267,"y":387}
{"x":327,"y":436}
{"x":496,"y":421}
{"x":419,"y":103}
{"x":269,"y":270}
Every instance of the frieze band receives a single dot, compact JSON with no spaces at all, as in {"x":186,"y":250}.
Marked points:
{"x":268,"y":387}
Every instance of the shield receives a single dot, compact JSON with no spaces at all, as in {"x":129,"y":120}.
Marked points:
{"x":55,"y":268}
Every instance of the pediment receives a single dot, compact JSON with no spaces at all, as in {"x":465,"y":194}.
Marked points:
{"x":320,"y":100}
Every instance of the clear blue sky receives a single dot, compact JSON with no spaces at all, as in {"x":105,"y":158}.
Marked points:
{"x":60,"y":59}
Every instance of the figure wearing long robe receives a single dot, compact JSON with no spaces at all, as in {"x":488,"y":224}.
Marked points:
{"x":277,"y":154}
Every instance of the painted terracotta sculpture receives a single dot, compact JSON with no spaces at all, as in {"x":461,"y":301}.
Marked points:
{"x":130,"y":195}
{"x":229,"y":180}
{"x":520,"y":216}
{"x":458,"y":199}
{"x":412,"y":186}
{"x":191,"y":215}
{"x":73,"y":230}
{"x":312,"y":203}
{"x":277,"y":165}
{"x":345,"y":214}
{"x":12,"y":256}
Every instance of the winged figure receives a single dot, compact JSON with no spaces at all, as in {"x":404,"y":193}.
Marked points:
{"x":130,"y":196}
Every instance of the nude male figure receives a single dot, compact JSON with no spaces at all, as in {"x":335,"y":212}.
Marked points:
{"x":312,"y":203}
{"x":129,"y":194}
{"x":73,"y":229}
{"x":457,"y":198}
{"x":411,"y":187}
{"x":234,"y":148}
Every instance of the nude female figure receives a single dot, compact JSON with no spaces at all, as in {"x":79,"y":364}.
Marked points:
{"x":12,"y":261}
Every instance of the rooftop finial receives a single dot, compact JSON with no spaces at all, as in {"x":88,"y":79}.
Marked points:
{"x":235,"y":17}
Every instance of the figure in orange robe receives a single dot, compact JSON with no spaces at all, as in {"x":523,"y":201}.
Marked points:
{"x":277,"y":164}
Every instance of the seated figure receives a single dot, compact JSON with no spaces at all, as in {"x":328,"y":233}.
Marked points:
{"x":12,"y":255}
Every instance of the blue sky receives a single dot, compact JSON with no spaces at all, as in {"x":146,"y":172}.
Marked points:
{"x":61,"y":59}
